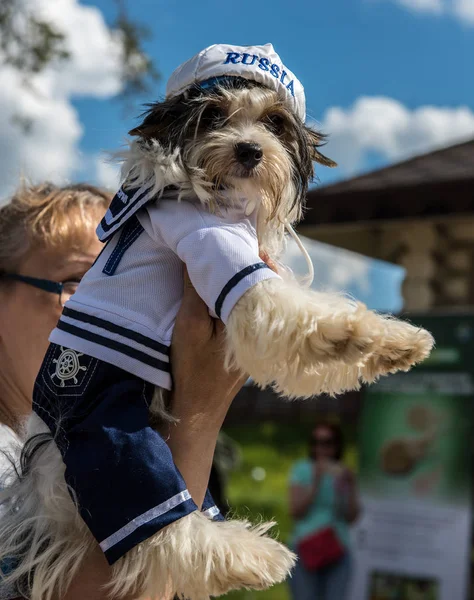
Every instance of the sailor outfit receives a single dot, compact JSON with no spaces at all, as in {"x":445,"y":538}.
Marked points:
{"x":112,"y":343}
{"x":112,"y":346}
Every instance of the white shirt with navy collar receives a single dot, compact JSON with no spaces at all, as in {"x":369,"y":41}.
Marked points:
{"x":124,"y":310}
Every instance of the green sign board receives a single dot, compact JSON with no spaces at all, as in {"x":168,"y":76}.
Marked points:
{"x":415,"y":471}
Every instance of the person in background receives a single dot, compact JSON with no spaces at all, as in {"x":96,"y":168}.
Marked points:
{"x":47,"y":243}
{"x":323,"y":502}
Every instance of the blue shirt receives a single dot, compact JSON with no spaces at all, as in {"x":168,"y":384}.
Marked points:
{"x":323,"y":511}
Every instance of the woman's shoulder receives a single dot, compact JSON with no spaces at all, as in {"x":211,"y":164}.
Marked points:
{"x":302,"y":464}
{"x":301,"y":471}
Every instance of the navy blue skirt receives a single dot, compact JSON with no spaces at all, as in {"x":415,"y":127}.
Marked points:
{"x":125,"y":482}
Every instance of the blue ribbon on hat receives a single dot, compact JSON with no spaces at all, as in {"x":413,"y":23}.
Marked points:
{"x":220,"y":80}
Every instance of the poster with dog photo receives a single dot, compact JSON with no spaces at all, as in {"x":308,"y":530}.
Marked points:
{"x":415,"y":447}
{"x":415,"y":475}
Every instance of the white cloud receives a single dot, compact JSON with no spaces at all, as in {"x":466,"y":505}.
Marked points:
{"x":430,"y":6}
{"x":460,"y":9}
{"x":388,"y":128}
{"x":49,"y":150}
{"x":94,"y":68}
{"x":374,"y":282}
{"x":107,"y":173}
{"x":335,"y":269}
{"x":464,"y":10}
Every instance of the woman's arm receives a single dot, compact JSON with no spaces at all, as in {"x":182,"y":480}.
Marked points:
{"x":302,"y":496}
{"x":350,"y":496}
{"x":203,"y":392}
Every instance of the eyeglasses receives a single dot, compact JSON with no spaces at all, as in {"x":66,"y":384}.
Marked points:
{"x":325,"y":443}
{"x":64,"y":289}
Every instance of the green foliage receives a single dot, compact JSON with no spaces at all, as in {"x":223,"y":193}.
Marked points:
{"x":30,"y":43}
{"x":273,"y":448}
{"x":138,"y":70}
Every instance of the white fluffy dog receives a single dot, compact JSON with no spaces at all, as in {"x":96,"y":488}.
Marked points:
{"x":237,"y":138}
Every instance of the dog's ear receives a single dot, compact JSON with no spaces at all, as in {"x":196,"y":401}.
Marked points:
{"x":315,"y":141}
{"x":158,"y":120}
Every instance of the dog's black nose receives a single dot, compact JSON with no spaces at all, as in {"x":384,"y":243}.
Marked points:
{"x":248,"y":154}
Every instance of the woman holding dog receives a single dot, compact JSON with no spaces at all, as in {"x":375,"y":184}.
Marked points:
{"x":323,"y":503}
{"x":47,"y":243}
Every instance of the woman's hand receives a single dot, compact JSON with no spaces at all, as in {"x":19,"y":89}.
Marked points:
{"x":197,"y":359}
{"x":346,"y":488}
{"x":203,"y":389}
{"x":321,"y":467}
{"x":203,"y":392}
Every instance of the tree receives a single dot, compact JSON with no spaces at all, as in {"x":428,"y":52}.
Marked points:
{"x":30,"y":43}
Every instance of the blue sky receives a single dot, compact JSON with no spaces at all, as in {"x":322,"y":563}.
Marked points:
{"x":385,"y":79}
{"x":374,"y":282}
{"x":341,"y":50}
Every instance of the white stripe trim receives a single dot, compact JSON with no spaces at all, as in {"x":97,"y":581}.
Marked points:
{"x":146,"y":517}
{"x":211,"y":512}
{"x":130,"y":201}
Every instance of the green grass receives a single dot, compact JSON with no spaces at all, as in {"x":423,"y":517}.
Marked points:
{"x":274,"y":448}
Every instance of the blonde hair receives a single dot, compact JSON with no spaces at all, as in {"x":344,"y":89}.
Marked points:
{"x":50,"y":217}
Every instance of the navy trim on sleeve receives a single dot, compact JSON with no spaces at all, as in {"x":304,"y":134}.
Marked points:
{"x":233,"y":282}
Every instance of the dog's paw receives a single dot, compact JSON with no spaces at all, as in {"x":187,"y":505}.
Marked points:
{"x":401,"y":347}
{"x":346,"y":336}
{"x":196,"y":558}
{"x":246,"y":557}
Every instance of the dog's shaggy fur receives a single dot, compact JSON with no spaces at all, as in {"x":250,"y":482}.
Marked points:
{"x":299,"y":341}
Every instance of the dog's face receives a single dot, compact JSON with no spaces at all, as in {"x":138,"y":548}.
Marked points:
{"x":239,"y":135}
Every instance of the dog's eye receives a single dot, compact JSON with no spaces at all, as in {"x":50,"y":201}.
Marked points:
{"x":211,"y":116}
{"x":276,"y":123}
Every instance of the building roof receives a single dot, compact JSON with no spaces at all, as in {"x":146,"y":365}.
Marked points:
{"x":253,"y":405}
{"x":438,"y":183}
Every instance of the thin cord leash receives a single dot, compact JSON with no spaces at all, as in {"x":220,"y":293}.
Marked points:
{"x":304,"y":252}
